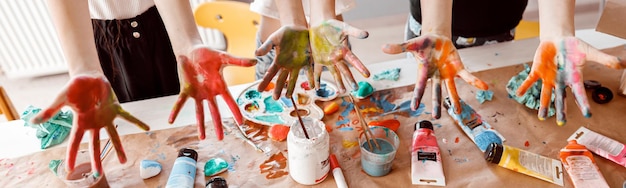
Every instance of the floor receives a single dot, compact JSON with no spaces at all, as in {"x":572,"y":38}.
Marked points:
{"x":40,"y":91}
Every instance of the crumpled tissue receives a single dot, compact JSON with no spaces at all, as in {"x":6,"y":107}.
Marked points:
{"x":52,"y":132}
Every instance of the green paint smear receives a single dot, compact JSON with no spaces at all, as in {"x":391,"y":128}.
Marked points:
{"x":389,"y":74}
{"x":252,"y":94}
{"x":270,"y":119}
{"x":54,"y":165}
{"x":533,"y":95}
{"x":365,"y":89}
{"x":272,"y":106}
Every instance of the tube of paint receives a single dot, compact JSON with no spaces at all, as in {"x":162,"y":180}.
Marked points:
{"x":601,"y":145}
{"x":216,"y":182}
{"x":479,"y":131}
{"x":580,"y":166}
{"x":622,"y":84}
{"x":308,"y":158}
{"x":525,"y":162}
{"x":337,"y":173}
{"x":184,"y":171}
{"x":426,"y":166}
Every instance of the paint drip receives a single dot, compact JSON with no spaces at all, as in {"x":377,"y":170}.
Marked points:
{"x":274,"y":166}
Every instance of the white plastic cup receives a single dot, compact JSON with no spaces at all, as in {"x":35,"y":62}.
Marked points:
{"x":378,"y":162}
{"x":308,"y":158}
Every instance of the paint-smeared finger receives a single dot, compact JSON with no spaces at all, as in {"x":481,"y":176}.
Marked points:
{"x":200,"y":119}
{"x":354,"y":61}
{"x":416,"y":44}
{"x":129,"y":117}
{"x":117,"y":143}
{"x":544,"y":101}
{"x":338,"y":80}
{"x":473,"y":80}
{"x":94,"y":150}
{"x":317,"y":72}
{"x":310,"y":75}
{"x":581,"y":99}
{"x":280,"y":84}
{"x":217,"y":119}
{"x":559,"y":102}
{"x":271,"y":41}
{"x":76,"y":136}
{"x":238,"y":61}
{"x":596,"y":55}
{"x":436,"y":96}
{"x":232,"y":105}
{"x":269,"y":75}
{"x":293,"y":78}
{"x":420,"y":85}
{"x":182,"y":98}
{"x":348,"y":29}
{"x":343,"y":68}
{"x":454,"y":96}
{"x":528,"y":82}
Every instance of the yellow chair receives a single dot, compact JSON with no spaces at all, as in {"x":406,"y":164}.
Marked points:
{"x":6,"y":106}
{"x":526,"y":29}
{"x":239,"y":26}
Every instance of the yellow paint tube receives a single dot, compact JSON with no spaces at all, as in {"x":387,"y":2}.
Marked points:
{"x":544,"y":168}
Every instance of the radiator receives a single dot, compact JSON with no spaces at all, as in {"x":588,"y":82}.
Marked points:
{"x":29,"y":46}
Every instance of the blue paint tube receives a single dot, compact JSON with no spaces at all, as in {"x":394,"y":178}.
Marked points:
{"x":184,"y":171}
{"x":479,"y":131}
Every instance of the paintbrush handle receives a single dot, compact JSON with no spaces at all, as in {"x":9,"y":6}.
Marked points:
{"x":366,"y":128}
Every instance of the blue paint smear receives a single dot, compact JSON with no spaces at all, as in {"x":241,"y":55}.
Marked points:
{"x":406,"y":106}
{"x":382,"y":102}
{"x":346,"y":129}
{"x":345,"y":121}
{"x":287,"y":102}
{"x":437,"y":125}
{"x":484,"y":95}
{"x":252,"y":94}
{"x":348,"y":109}
{"x":485,"y":138}
{"x":324,"y":91}
{"x":270,"y":119}
{"x":271,"y":106}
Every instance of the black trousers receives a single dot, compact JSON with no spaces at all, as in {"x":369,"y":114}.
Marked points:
{"x":137,"y":57}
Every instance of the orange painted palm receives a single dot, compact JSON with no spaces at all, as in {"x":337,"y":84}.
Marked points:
{"x":438,"y":60}
{"x":293,"y":53}
{"x":201,"y":79}
{"x":558,"y":63}
{"x":330,"y":50}
{"x":95,"y":107}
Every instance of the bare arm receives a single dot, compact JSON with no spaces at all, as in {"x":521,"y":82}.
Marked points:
{"x":73,"y":26}
{"x":180,"y":25}
{"x":556,"y":19}
{"x":291,"y":13}
{"x":437,"y":17}
{"x":322,"y":10}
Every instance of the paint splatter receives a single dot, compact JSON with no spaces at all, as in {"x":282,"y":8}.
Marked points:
{"x":324,"y":91}
{"x":438,"y":125}
{"x":252,"y":94}
{"x":544,"y":142}
{"x":445,"y":141}
{"x":389,"y":74}
{"x":305,"y":85}
{"x":270,"y":119}
{"x":527,"y":143}
{"x":252,"y":107}
{"x":461,"y":160}
{"x":456,"y":140}
{"x":365,"y":90}
{"x":271,"y":106}
{"x":274,"y":166}
{"x":231,"y":165}
{"x":484,"y":139}
{"x":348,"y":144}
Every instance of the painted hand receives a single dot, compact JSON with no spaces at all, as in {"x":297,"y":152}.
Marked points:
{"x":293,"y":54}
{"x":330,"y":51}
{"x":95,"y":107}
{"x":201,"y":78}
{"x":558,"y":63}
{"x":438,"y":60}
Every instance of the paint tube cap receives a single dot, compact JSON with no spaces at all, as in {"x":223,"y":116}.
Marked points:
{"x":187,"y":152}
{"x":217,"y":182}
{"x":333,"y":162}
{"x":602,"y":95}
{"x":424,"y":124}
{"x":591,"y":84}
{"x":493,"y":153}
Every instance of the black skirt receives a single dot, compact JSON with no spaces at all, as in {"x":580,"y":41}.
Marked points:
{"x":137,"y":57}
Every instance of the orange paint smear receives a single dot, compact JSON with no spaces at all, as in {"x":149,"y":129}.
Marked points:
{"x":274,"y":166}
{"x":456,"y":140}
{"x":270,"y":86}
{"x":392,"y":124}
{"x":278,"y":132}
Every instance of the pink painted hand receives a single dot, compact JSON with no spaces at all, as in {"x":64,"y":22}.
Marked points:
{"x":437,"y":59}
{"x":293,"y":53}
{"x":95,"y":107}
{"x":330,"y":50}
{"x":201,"y":78}
{"x":558,"y":63}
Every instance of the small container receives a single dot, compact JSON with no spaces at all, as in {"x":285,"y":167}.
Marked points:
{"x":183,"y":173}
{"x":580,"y":166}
{"x":374,"y":161}
{"x":426,"y":166}
{"x":525,"y":162}
{"x":81,"y":176}
{"x":308,"y":158}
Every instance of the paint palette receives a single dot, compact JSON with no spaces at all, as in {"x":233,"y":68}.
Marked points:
{"x":259,"y":107}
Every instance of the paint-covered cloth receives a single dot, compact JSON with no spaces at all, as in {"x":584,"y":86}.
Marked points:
{"x":137,"y":57}
{"x":53,"y":131}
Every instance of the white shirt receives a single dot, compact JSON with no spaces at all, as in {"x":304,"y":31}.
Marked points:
{"x":118,"y":9}
{"x":268,"y":7}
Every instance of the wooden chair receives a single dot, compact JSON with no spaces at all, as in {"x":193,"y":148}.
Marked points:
{"x":526,"y":29}
{"x":239,"y":26}
{"x":6,"y":107}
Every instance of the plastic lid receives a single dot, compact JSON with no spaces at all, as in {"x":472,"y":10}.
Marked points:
{"x":217,"y":182}
{"x":573,"y":144}
{"x":493,"y":153}
{"x":602,"y":95}
{"x":591,"y":84}
{"x":333,"y":162}
{"x":187,"y":152}
{"x":424,"y":124}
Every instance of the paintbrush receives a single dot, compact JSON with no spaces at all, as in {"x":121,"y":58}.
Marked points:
{"x":366,"y":129}
{"x":299,"y":118}
{"x":107,"y":149}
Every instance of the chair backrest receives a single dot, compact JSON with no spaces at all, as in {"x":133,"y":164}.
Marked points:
{"x":6,"y":106}
{"x":235,"y":20}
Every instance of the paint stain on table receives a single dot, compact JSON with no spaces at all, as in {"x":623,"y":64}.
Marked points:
{"x":274,"y":166}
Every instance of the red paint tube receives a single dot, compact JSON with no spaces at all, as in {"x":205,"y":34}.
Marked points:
{"x":426,"y":166}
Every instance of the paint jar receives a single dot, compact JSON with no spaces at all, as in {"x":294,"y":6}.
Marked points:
{"x":622,"y":84}
{"x":580,"y":166}
{"x":377,"y":161}
{"x":308,"y":158}
{"x":426,"y":166}
{"x":525,"y":162}
{"x":82,"y":175}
